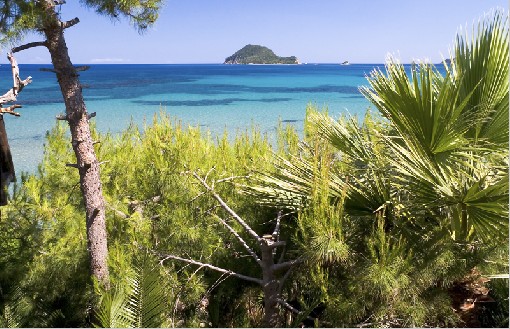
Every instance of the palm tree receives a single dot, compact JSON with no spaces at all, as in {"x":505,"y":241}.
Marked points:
{"x":440,"y":151}
{"x":450,"y":143}
{"x":404,"y":192}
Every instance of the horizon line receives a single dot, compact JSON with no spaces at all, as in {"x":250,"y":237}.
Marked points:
{"x":204,"y":63}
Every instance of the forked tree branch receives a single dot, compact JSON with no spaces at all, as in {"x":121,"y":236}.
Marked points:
{"x":212,"y":267}
{"x":10,"y":110}
{"x":18,"y":85}
{"x":245,"y":245}
{"x":227,"y":208}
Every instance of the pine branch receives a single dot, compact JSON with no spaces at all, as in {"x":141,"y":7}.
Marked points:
{"x":70,"y":23}
{"x":276,"y":232}
{"x":29,"y":45}
{"x":227,"y":208}
{"x":212,"y":267}
{"x":245,"y":245}
{"x":293,"y":310}
{"x":286,"y":265}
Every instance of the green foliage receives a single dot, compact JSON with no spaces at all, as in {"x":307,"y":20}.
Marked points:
{"x":388,"y":211}
{"x":391,"y":210}
{"x":152,"y":203}
{"x":254,"y":54}
{"x":142,"y":13}
{"x":140,"y":305}
{"x":19,"y":17}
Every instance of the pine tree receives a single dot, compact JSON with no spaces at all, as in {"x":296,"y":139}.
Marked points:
{"x":18,"y":17}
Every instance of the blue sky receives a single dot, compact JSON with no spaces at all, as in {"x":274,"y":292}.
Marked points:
{"x":316,"y":31}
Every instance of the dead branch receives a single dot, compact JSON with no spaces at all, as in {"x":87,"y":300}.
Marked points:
{"x":293,"y":310}
{"x":276,"y":232}
{"x":18,"y":84}
{"x":286,"y":265}
{"x":82,"y":68}
{"x":283,"y":279}
{"x":10,"y":110}
{"x":70,"y":23}
{"x":239,"y":238}
{"x":227,"y":179}
{"x":29,"y":45}
{"x":45,"y":69}
{"x":118,"y":212}
{"x":218,"y":269}
{"x":227,"y":208}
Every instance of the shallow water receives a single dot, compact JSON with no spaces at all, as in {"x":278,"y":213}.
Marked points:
{"x":216,"y":96}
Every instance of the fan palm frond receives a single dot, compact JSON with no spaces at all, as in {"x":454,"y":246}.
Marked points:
{"x":480,"y":67}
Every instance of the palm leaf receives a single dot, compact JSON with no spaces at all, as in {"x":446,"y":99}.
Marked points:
{"x":113,"y":311}
{"x":147,"y":299}
{"x":487,"y":208}
{"x":140,"y":305}
{"x":482,"y":60}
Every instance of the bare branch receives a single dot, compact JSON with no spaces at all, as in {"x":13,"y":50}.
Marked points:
{"x":293,"y":310}
{"x":10,"y":110}
{"x":207,"y":175}
{"x":227,"y":208}
{"x":276,"y":244}
{"x":218,"y":269}
{"x":70,"y":23}
{"x":45,"y":69}
{"x":276,"y":232}
{"x":245,"y":245}
{"x":29,"y":45}
{"x":231,"y":178}
{"x":118,"y":212}
{"x":18,"y":84}
{"x":82,"y":68}
{"x":286,"y":265}
{"x":283,"y":279}
{"x":282,"y":255}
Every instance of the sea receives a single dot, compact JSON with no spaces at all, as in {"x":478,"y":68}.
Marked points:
{"x":216,"y":97}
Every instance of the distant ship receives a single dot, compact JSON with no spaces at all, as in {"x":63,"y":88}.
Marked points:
{"x":345,"y":63}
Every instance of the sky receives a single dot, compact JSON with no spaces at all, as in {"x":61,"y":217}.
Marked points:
{"x":315,"y":31}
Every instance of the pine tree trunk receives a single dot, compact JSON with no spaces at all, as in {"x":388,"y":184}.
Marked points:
{"x":87,"y":163}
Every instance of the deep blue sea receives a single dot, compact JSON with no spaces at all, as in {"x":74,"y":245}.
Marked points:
{"x":216,"y":97}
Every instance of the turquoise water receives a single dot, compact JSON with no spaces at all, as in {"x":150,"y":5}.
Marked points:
{"x":216,"y":96}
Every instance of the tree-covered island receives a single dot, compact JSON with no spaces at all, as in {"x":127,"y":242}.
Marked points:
{"x":254,"y":54}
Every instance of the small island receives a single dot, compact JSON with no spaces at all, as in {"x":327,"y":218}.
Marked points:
{"x":254,"y":54}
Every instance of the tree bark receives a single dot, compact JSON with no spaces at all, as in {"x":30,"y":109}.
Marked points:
{"x":87,"y":163}
{"x":7,"y":173}
{"x":270,"y":285}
